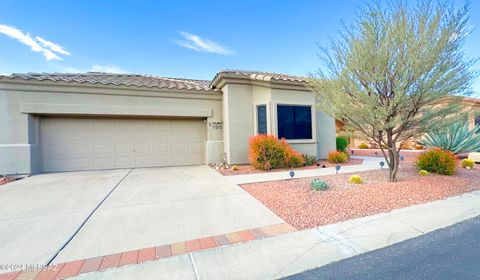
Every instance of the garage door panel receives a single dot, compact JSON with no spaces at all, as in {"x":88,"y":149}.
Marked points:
{"x":102,"y":136}
{"x":104,"y":163}
{"x":195,"y":148}
{"x":103,"y":149}
{"x":123,"y":162}
{"x":161,"y":148}
{"x":81,"y":149}
{"x":195,"y":157}
{"x":179,"y":160}
{"x":86,"y":144}
{"x":161,"y":160}
{"x":178,"y":136}
{"x":143,"y":161}
{"x":123,"y":148}
{"x":160,"y":136}
{"x":143,"y":148}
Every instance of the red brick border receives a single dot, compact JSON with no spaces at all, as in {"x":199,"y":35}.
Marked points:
{"x":73,"y":268}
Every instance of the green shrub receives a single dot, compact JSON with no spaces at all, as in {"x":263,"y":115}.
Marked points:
{"x":337,"y":157}
{"x":342,"y":143}
{"x":268,"y":152}
{"x":355,"y":179}
{"x":423,"y":173}
{"x":456,"y":138}
{"x":468,"y":163}
{"x":437,"y":161}
{"x":309,"y":159}
{"x":318,"y":185}
{"x":363,"y":146}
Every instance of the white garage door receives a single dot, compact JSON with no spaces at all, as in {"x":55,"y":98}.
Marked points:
{"x":86,"y":144}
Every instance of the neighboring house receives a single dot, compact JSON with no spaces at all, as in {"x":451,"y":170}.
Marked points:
{"x":67,"y":122}
{"x":471,"y":105}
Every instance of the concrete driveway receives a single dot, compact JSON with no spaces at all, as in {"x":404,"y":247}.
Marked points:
{"x":146,"y":207}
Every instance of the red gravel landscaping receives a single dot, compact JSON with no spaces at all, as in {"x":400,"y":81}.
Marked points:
{"x":6,"y":180}
{"x":301,"y":207}
{"x":248,"y":169}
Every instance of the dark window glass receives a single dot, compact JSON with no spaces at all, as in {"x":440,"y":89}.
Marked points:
{"x":477,"y":120}
{"x":262,"y":119}
{"x":294,"y":122}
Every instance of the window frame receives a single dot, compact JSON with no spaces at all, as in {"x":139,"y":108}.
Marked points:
{"x":313,"y":122}
{"x":256,"y":118}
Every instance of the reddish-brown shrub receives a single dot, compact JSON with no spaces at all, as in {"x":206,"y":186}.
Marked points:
{"x":267,"y":152}
{"x":438,"y":161}
{"x":337,"y":157}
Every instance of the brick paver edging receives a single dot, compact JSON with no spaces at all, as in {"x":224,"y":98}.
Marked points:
{"x":73,"y":268}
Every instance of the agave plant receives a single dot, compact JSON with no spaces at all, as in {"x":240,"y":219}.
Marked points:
{"x":455,"y":138}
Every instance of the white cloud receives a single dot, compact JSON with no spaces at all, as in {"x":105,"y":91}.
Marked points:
{"x":196,"y":43}
{"x":52,"y":46}
{"x":26,"y":39}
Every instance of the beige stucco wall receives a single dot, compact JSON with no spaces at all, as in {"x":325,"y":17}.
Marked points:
{"x":238,"y":121}
{"x":326,"y":140}
{"x":22,"y":104}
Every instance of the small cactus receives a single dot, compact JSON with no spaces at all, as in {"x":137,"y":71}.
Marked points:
{"x":355,"y":179}
{"x":423,"y":173}
{"x":468,"y":163}
{"x":318,"y":185}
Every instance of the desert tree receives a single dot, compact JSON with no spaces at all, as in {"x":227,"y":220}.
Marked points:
{"x":396,"y":72}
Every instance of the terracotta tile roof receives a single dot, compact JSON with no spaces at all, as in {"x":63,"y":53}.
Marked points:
{"x":116,"y":80}
{"x":148,"y":81}
{"x":259,"y":76}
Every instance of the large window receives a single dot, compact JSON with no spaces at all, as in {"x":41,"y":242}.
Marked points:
{"x":262,"y":119}
{"x":294,"y":122}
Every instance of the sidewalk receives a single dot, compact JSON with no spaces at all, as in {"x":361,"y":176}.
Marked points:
{"x":292,"y":253}
{"x":369,"y":163}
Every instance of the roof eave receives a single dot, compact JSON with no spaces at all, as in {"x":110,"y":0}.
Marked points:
{"x":105,"y":86}
{"x":221,"y":79}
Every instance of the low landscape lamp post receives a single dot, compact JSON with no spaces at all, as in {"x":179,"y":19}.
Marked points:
{"x":382,"y":164}
{"x":291,"y":173}
{"x":337,"y":168}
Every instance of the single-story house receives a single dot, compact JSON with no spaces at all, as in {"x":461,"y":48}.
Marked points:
{"x":90,"y":121}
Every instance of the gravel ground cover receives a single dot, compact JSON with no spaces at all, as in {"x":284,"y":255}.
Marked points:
{"x":294,"y":202}
{"x":6,"y":180}
{"x":248,"y":169}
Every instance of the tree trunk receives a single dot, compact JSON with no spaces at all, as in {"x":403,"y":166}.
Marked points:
{"x":394,"y":158}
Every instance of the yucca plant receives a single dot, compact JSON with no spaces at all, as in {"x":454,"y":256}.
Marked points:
{"x":455,"y":138}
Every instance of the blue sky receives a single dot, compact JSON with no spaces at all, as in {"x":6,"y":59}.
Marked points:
{"x":190,"y":39}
